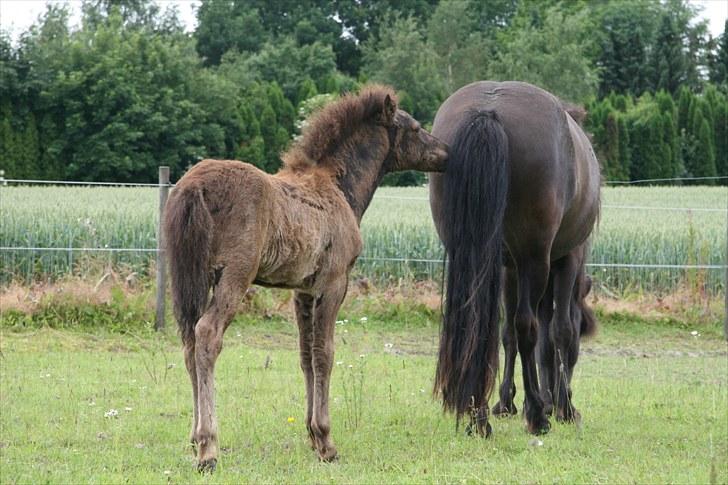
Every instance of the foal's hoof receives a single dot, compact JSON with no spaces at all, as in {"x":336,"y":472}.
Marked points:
{"x":539,"y":426}
{"x":207,"y":466}
{"x":503,"y":410}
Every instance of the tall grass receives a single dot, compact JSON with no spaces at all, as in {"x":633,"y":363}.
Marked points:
{"x":397,"y":225}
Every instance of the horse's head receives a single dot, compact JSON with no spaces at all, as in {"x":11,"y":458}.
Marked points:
{"x":411,"y":147}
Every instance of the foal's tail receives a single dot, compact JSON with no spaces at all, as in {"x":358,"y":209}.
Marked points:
{"x":187,"y":230}
{"x":474,"y":202}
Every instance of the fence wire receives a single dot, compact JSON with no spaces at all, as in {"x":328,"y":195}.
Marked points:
{"x":369,"y":260}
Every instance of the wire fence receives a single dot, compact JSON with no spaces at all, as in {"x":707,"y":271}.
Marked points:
{"x":31,"y":261}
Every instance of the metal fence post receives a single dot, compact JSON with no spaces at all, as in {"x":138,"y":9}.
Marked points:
{"x":161,"y":263}
{"x":725,"y":283}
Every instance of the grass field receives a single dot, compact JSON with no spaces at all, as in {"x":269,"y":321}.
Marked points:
{"x":653,"y":400}
{"x":397,"y":225}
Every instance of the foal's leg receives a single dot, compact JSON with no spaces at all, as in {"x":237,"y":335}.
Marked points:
{"x":505,"y":406}
{"x":563,"y":336}
{"x":208,"y":344}
{"x":533,"y":275}
{"x":545,"y":348}
{"x":326,"y":307}
{"x":304,"y":317}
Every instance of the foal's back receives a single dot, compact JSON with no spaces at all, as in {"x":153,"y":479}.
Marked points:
{"x":283,"y":221}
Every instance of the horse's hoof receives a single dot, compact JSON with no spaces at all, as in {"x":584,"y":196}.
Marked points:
{"x":329,"y":455}
{"x":207,"y":466}
{"x":539,"y":427}
{"x":548,"y":409}
{"x":504,"y":411}
{"x":486,"y":432}
{"x":568,"y":415}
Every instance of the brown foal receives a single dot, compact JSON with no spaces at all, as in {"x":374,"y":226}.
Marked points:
{"x":229,"y":225}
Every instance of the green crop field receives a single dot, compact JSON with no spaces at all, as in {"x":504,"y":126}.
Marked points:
{"x":396,"y":226}
{"x":653,"y":400}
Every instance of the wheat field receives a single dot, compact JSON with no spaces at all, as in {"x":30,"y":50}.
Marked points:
{"x":639,"y":225}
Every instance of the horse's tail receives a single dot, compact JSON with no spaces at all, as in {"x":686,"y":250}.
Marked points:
{"x":187,"y":230}
{"x":474,"y":201}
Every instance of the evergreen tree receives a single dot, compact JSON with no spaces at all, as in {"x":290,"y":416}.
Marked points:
{"x":705,"y":154}
{"x":306,"y":90}
{"x":8,"y":155}
{"x":718,"y":68}
{"x":669,"y":62}
{"x":624,"y":153}
{"x":720,"y":126}
{"x":626,"y":32}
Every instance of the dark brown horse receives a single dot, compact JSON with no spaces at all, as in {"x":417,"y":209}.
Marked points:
{"x":521,"y":193}
{"x":228,"y":225}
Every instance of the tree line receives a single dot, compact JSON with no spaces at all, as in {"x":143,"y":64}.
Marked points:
{"x":129,"y":90}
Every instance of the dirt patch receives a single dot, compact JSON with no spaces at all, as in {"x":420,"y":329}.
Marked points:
{"x":88,"y":291}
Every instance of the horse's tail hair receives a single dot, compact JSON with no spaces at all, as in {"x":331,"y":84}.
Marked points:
{"x":187,"y":229}
{"x":474,"y":202}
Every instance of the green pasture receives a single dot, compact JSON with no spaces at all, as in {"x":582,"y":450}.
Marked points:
{"x":396,"y":226}
{"x":653,"y":400}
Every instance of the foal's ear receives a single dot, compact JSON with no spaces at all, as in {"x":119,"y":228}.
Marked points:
{"x":388,"y":111}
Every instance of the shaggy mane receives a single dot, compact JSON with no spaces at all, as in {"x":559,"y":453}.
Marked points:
{"x":334,"y":123}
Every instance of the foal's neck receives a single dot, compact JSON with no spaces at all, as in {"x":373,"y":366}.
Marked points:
{"x":360,"y":170}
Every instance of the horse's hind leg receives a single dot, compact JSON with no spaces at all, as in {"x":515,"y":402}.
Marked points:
{"x":208,"y":345}
{"x":564,"y":337}
{"x":505,"y":406}
{"x":325,"y":308}
{"x":189,"y":353}
{"x":545,"y":348}
{"x":533,"y":275}
{"x":304,"y":317}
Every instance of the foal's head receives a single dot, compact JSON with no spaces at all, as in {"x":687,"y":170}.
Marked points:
{"x":366,"y":132}
{"x":410,"y":146}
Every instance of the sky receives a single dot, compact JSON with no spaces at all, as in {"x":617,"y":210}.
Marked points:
{"x":17,"y":15}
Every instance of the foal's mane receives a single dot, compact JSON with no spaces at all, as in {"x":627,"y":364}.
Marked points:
{"x":335,"y":123}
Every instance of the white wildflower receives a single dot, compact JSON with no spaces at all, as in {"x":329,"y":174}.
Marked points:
{"x":363,"y":319}
{"x":111,"y":413}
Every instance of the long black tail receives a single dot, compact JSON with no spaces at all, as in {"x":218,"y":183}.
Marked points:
{"x":474,"y":201}
{"x":187,"y":236}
